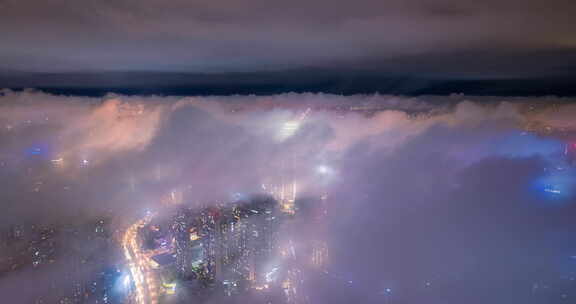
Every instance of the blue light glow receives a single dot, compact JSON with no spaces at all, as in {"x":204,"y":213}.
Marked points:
{"x":37,"y":150}
{"x":557,"y":184}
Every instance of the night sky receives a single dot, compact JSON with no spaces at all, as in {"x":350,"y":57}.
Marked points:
{"x":413,"y":47}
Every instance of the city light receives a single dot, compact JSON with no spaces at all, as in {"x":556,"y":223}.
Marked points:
{"x":323,"y":169}
{"x":557,"y":184}
{"x":126,"y":281}
{"x":288,"y":129}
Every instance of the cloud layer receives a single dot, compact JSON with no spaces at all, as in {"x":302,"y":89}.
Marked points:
{"x":443,"y":198}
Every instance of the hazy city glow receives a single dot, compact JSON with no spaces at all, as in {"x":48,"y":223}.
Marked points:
{"x":318,"y":199}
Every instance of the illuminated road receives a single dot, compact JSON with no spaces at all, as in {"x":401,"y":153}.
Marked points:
{"x":142,"y":276}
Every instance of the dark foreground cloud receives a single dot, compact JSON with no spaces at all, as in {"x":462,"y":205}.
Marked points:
{"x":469,"y":200}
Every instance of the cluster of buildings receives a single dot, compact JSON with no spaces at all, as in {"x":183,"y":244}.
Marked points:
{"x":83,"y":256}
{"x":228,"y":251}
{"x":220,"y":248}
